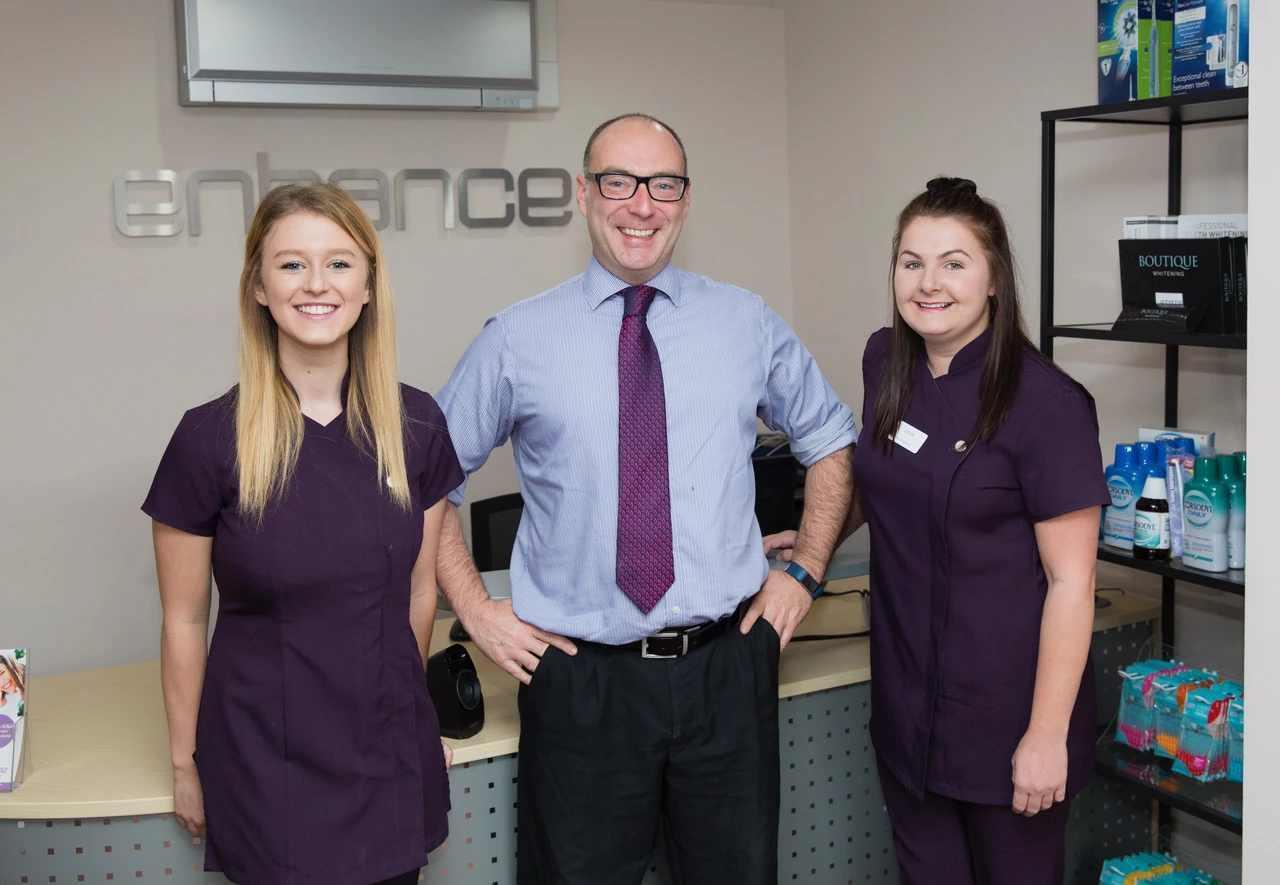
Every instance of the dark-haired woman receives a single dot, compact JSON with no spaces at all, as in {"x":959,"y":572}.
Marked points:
{"x":981,"y":480}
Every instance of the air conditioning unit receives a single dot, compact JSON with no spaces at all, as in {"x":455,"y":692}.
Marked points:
{"x":423,"y":54}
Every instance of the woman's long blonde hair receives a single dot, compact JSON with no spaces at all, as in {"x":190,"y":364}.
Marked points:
{"x":269,"y":425}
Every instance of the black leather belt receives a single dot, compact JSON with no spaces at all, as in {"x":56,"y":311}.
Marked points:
{"x":679,"y":642}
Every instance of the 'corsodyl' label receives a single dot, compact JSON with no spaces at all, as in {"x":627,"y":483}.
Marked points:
{"x":1121,"y":492}
{"x":1197,"y":510}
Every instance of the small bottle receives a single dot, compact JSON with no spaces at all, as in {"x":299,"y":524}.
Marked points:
{"x":1151,"y":533}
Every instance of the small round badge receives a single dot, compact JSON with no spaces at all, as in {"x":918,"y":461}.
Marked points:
{"x":960,"y":446}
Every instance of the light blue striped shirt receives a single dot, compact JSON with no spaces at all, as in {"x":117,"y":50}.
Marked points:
{"x":544,"y":372}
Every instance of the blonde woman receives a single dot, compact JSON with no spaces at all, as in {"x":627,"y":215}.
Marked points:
{"x":306,"y":746}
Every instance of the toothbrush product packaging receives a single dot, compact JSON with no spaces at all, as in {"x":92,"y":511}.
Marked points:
{"x":1203,"y":742}
{"x":1155,"y":48}
{"x":1135,"y":723}
{"x":1210,"y":45}
{"x":13,"y":717}
{"x":1171,"y":692}
{"x":1200,"y":439}
{"x":1117,"y":51}
{"x":1180,"y":468}
{"x":1181,"y":286}
{"x":1235,"y":740}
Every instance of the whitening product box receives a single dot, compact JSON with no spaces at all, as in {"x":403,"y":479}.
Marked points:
{"x":1201,"y":439}
{"x":1207,"y":227}
{"x":1150,"y":227}
{"x":13,"y":717}
{"x":1155,"y":48}
{"x":1210,"y":45}
{"x":1180,"y":286}
{"x":1117,"y":51}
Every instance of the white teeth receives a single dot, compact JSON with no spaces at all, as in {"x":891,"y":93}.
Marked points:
{"x":317,"y":309}
{"x":935,"y":304}
{"x":633,"y":232}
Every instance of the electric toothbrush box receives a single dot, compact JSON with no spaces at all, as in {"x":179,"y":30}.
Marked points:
{"x":1117,"y":51}
{"x":1182,"y":286}
{"x":1210,"y":45}
{"x":1155,"y":48}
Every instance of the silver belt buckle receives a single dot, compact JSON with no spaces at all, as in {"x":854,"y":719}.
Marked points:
{"x":670,"y":634}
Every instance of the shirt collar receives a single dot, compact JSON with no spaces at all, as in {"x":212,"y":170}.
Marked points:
{"x":599,"y":285}
{"x":973,"y":353}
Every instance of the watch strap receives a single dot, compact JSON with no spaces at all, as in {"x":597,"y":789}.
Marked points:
{"x":797,"y":571}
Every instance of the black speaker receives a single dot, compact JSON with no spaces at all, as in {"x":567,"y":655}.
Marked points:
{"x":455,"y":691}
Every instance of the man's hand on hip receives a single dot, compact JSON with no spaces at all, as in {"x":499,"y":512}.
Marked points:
{"x":508,"y":641}
{"x":783,"y":602}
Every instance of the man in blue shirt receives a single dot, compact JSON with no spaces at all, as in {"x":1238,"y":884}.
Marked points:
{"x":644,"y":621}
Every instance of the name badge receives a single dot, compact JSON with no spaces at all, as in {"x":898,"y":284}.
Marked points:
{"x":909,"y":437}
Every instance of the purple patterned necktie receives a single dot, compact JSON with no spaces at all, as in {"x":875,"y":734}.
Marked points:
{"x":646,"y":566}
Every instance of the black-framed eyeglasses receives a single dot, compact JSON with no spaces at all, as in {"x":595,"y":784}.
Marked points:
{"x":621,"y":186}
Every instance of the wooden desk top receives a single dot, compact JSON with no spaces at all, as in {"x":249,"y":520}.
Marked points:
{"x":100,"y":744}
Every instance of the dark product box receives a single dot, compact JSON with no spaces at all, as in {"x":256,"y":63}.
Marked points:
{"x":1181,"y":286}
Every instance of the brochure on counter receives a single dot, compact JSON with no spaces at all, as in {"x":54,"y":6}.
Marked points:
{"x":13,"y":717}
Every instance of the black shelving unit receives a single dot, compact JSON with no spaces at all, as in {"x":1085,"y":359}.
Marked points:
{"x":1202,"y":800}
{"x":1218,"y":802}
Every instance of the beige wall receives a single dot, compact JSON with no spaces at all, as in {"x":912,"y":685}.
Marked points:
{"x":882,"y":97}
{"x":1262,"y":799}
{"x":107,"y":339}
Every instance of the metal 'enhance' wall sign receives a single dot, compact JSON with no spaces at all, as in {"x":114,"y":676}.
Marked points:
{"x":389,"y":196}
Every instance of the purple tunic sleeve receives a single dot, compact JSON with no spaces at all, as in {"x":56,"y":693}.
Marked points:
{"x":431,"y":455}
{"x":1059,"y":463}
{"x":191,"y":485}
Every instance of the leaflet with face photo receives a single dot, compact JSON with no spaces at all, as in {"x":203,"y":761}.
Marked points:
{"x":14,"y":672}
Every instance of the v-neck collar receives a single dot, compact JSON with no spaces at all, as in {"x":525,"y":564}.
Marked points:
{"x":338,"y":421}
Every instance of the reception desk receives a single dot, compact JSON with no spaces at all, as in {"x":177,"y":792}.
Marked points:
{"x":97,"y":804}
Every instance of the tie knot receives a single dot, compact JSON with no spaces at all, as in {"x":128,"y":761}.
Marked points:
{"x":638,"y":299}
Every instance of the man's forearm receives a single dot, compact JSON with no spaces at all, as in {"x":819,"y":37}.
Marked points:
{"x":828,"y":490}
{"x":456,"y":572}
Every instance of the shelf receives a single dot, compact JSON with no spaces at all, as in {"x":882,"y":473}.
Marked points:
{"x":1231,"y":581}
{"x":1219,"y":802}
{"x":1204,"y":107}
{"x":1104,"y":332}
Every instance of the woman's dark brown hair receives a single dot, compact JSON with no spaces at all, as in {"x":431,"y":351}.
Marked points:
{"x":958,"y":198}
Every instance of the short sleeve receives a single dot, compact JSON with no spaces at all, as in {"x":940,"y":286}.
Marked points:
{"x":873,"y":360}
{"x":479,"y":399}
{"x":191,"y":484}
{"x":1059,"y":462}
{"x":434,"y":457}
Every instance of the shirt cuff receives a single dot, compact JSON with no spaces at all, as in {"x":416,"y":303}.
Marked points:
{"x":833,"y":436}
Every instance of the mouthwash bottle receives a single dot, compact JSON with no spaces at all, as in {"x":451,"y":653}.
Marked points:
{"x":1124,"y":482}
{"x":1205,"y":514}
{"x":1228,"y":472}
{"x":1152,"y":537}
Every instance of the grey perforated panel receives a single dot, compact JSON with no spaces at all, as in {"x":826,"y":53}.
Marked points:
{"x":833,"y":827}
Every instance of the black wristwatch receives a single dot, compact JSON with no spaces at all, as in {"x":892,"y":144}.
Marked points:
{"x":797,"y":571}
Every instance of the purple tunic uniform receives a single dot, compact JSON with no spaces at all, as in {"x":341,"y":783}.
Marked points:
{"x":957,"y":586}
{"x":317,"y":744}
